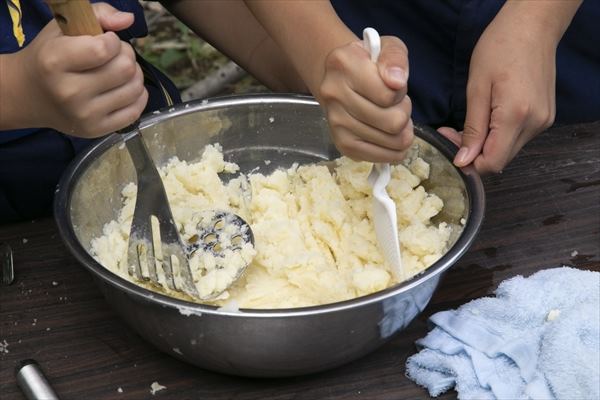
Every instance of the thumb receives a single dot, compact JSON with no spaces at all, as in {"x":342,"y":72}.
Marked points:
{"x":393,"y":63}
{"x":477,"y":122}
{"x":451,"y":134}
{"x":112,"y":19}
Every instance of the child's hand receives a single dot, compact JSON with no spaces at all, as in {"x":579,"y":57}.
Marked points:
{"x":366,"y":103}
{"x":84,"y":86}
{"x":511,"y":88}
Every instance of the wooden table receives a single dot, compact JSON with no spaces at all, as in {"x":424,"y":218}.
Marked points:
{"x":543,"y":211}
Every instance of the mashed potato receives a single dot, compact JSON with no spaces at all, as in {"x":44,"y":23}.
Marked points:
{"x":314,"y":239}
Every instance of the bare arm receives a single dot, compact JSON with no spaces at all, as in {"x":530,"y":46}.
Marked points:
{"x":233,"y":29}
{"x":308,"y":30}
{"x":366,"y":104}
{"x":512,"y":82}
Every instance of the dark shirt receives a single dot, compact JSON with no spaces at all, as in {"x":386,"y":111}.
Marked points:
{"x":32,"y":160}
{"x":440,"y":36}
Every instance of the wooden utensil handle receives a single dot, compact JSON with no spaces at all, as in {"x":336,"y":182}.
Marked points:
{"x":75,"y":17}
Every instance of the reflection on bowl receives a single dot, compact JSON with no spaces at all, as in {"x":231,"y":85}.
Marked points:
{"x":284,"y":342}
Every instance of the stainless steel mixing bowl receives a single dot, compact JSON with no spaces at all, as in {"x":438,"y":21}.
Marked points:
{"x":262,"y":343}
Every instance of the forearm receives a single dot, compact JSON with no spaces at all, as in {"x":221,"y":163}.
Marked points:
{"x":307,"y":30}
{"x":233,"y":29}
{"x":14,"y":114}
{"x":547,"y":18}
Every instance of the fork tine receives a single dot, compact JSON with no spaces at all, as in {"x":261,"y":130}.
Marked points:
{"x":146,"y":263}
{"x":152,"y":267}
{"x":151,"y":260}
{"x":133,"y":258}
{"x":139,"y":240}
{"x":171,"y":241}
{"x":168,"y":269}
{"x":162,"y":251}
{"x":185,"y":274}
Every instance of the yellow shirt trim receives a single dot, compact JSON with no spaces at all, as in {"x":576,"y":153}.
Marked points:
{"x":14,"y":8}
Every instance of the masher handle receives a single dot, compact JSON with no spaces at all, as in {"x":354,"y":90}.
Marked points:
{"x":75,"y":17}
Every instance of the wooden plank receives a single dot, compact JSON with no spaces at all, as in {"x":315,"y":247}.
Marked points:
{"x":543,"y":211}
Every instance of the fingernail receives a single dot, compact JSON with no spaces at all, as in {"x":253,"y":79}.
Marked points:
{"x":397,"y":74}
{"x":461,"y":156}
{"x":121,"y":14}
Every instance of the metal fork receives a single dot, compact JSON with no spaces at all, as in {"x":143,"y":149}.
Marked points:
{"x":145,"y":249}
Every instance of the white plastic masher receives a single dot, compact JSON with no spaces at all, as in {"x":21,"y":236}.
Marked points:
{"x":385,"y":219}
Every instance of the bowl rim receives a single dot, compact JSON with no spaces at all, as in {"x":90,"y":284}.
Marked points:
{"x":63,"y":194}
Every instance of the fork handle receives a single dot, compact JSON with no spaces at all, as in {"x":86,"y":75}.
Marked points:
{"x":135,"y":126}
{"x":75,"y":17}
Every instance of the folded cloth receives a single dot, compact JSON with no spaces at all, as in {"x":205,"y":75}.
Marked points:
{"x":539,"y":338}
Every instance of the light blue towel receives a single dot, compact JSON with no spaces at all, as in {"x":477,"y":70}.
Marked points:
{"x":539,"y":338}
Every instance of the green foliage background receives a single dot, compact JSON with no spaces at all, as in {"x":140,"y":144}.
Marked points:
{"x":181,"y":54}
